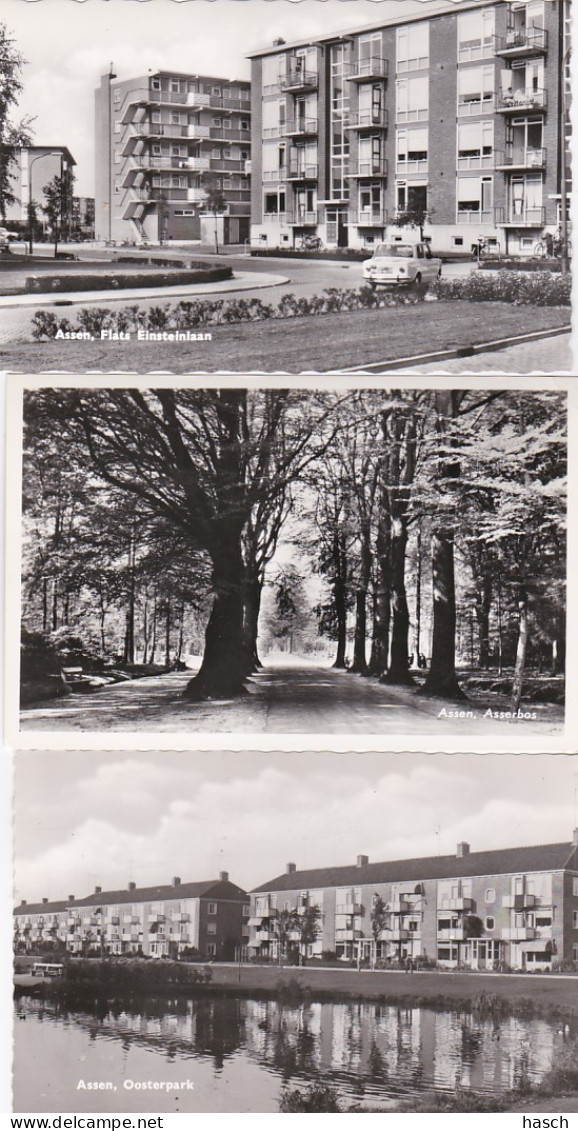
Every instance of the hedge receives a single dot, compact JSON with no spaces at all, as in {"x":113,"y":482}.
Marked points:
{"x":103,"y":282}
{"x":540,"y":289}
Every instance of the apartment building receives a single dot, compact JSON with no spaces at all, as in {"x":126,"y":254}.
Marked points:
{"x":163,"y":140}
{"x":163,"y":921}
{"x":457,"y":116}
{"x":34,"y":167}
{"x":514,"y":906}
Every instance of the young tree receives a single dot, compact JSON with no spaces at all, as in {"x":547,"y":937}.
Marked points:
{"x":307,"y":927}
{"x":13,"y":135}
{"x":58,"y":206}
{"x":379,"y":919}
{"x":215,"y":202}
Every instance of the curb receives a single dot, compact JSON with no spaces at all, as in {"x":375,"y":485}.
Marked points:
{"x":461,"y":351}
{"x":78,"y":298}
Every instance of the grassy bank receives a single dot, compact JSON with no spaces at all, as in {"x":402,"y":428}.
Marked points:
{"x":295,"y":345}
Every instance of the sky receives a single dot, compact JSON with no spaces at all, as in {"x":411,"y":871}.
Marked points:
{"x":69,"y":44}
{"x":86,"y":818}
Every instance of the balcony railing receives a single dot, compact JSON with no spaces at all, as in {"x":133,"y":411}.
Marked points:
{"x":195,"y":130}
{"x":475,"y":216}
{"x":461,"y":902}
{"x":301,"y":127}
{"x":522,"y":216}
{"x":518,"y":902}
{"x":513,"y":101}
{"x":411,"y":165}
{"x":519,"y":934}
{"x":522,"y":41}
{"x":369,"y":217}
{"x":455,"y":934}
{"x":474,"y":106}
{"x":297,"y":78}
{"x":218,"y":102}
{"x":476,"y":161}
{"x":196,"y":195}
{"x":302,"y":172}
{"x":302,"y":219}
{"x":198,"y":164}
{"x":349,"y":909}
{"x":399,"y":935}
{"x":373,"y":167}
{"x":347,"y":935}
{"x":368,"y":119}
{"x":363,"y":69}
{"x":518,"y":157}
{"x":400,"y":906}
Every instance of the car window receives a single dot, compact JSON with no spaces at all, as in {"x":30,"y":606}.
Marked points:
{"x":396,"y":250}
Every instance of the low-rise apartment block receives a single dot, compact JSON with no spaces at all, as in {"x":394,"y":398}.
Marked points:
{"x":460,"y":116}
{"x":514,"y":907}
{"x":169,"y":920}
{"x":34,"y":167}
{"x":163,"y":140}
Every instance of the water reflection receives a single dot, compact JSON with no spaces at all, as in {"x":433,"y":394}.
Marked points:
{"x":362,"y":1047}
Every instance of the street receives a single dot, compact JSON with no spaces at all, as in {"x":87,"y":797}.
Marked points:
{"x":296,"y":697}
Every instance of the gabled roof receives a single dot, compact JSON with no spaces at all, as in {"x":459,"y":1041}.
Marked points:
{"x":428,"y":13}
{"x":500,"y":861}
{"x":42,"y":908}
{"x":215,"y":889}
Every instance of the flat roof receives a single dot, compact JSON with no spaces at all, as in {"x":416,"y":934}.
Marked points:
{"x":446,"y":8}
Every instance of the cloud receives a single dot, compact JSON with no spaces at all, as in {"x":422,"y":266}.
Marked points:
{"x":251,"y":823}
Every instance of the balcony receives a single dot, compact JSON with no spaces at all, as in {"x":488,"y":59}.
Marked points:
{"x":524,"y":216}
{"x":514,"y":101}
{"x":399,"y":935}
{"x":195,"y":130}
{"x":114,"y":920}
{"x":519,"y":934}
{"x":302,"y":127}
{"x":520,"y":157}
{"x":298,"y":79}
{"x":454,"y":934}
{"x":520,"y":42}
{"x":364,"y":69}
{"x":217,"y":102}
{"x":518,"y":902}
{"x":472,"y":107}
{"x":368,"y":120}
{"x":347,"y":936}
{"x":477,"y":160}
{"x":349,"y":909}
{"x":302,"y":172}
{"x":301,"y":219}
{"x":196,"y":195}
{"x":264,"y":936}
{"x":373,"y":167}
{"x":197,"y":164}
{"x":369,"y":218}
{"x":462,"y":902}
{"x":400,"y":906}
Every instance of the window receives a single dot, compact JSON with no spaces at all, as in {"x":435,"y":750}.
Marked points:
{"x":117,"y":95}
{"x":546,"y":920}
{"x":489,"y":922}
{"x":246,"y":910}
{"x":184,"y":212}
{"x":475,"y":90}
{"x":475,"y":199}
{"x":211,"y":928}
{"x":245,"y":123}
{"x":117,"y":127}
{"x":211,"y":909}
{"x":156,"y":84}
{"x":411,"y":197}
{"x":475,"y":144}
{"x":490,"y":895}
{"x":412,"y":149}
{"x":412,"y":99}
{"x":412,"y":47}
{"x":216,"y":91}
{"x":117,"y":186}
{"x":217,"y":122}
{"x":575,"y":885}
{"x":475,"y":35}
{"x":175,"y":86}
{"x":575,"y":952}
{"x":575,"y":920}
{"x":211,"y":949}
{"x":457,"y":241}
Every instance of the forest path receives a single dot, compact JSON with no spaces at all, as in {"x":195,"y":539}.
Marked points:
{"x":293,"y":697}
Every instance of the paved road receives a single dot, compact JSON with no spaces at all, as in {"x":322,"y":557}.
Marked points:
{"x":552,"y":355}
{"x":298,"y":699}
{"x":300,"y":277}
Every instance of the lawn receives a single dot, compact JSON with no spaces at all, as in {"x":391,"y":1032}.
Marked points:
{"x":318,"y":344}
{"x":438,"y":989}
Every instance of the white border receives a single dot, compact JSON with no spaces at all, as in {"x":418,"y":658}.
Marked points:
{"x":512,"y":741}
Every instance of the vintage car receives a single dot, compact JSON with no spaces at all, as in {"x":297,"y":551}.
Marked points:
{"x":401,"y":264}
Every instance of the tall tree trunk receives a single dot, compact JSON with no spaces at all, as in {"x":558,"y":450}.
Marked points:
{"x":359,"y":654}
{"x":154,"y":632}
{"x":340,"y":599}
{"x":483,"y":607}
{"x":252,"y":592}
{"x":381,"y":609}
{"x":54,"y":604}
{"x":45,"y":604}
{"x":102,"y":615}
{"x":417,"y":634}
{"x":129,"y":656}
{"x":521,"y":649}
{"x":398,"y":671}
{"x":168,"y":635}
{"x":181,"y":643}
{"x":442,"y":679}
{"x":222,"y":671}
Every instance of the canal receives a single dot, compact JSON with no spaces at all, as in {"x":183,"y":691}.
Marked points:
{"x":228,"y":1054}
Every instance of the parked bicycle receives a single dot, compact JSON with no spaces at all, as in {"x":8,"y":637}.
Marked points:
{"x":551,"y":246}
{"x":485,"y":247}
{"x":310,"y":243}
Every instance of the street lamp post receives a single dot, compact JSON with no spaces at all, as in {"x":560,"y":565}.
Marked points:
{"x":30,"y":164}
